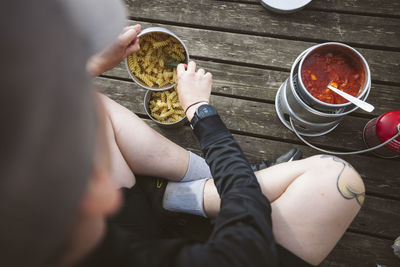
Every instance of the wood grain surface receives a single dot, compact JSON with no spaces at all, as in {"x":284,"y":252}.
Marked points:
{"x":267,"y":52}
{"x":371,"y":7}
{"x":255,"y":19}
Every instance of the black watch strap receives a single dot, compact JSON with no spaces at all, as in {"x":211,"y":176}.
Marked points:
{"x":202,"y":112}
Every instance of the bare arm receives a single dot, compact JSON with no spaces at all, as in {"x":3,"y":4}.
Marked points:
{"x":135,"y":148}
{"x":125,"y":45}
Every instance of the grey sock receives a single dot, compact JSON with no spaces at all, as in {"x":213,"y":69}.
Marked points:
{"x":185,"y":197}
{"x":197,"y":169}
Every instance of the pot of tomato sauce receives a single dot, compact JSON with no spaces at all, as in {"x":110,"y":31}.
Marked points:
{"x":339,"y":64}
{"x":303,"y":97}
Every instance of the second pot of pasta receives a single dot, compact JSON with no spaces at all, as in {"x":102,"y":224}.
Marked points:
{"x":164,"y":108}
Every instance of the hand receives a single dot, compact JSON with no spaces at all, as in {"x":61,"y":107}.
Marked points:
{"x":193,"y":87}
{"x":125,"y":45}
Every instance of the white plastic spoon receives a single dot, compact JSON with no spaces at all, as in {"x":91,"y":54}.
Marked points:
{"x":359,"y":103}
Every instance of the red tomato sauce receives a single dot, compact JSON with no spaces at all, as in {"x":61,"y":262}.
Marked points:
{"x":322,"y":68}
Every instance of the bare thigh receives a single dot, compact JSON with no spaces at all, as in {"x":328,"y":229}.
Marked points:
{"x":135,"y":148}
{"x":323,"y":194}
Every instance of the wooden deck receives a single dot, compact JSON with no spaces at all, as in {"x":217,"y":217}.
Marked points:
{"x":249,"y":51}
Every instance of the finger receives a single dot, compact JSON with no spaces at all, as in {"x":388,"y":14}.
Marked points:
{"x":191,"y":66}
{"x":180,"y":69}
{"x":129,"y":36}
{"x":208,"y":75}
{"x":201,"y":72}
{"x":137,"y":27}
{"x":135,"y":47}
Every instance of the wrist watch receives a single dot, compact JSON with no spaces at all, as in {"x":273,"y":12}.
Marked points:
{"x":202,"y":112}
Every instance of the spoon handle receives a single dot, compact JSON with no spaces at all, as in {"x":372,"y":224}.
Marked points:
{"x":359,"y":103}
{"x":172,"y":64}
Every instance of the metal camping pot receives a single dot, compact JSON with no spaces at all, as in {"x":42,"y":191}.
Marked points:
{"x":310,"y":116}
{"x":161,"y":30}
{"x":147,"y":98}
{"x":356,"y":58}
{"x":381,"y":129}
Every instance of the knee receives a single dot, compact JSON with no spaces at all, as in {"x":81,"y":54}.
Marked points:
{"x":328,"y":163}
{"x":348,"y":181}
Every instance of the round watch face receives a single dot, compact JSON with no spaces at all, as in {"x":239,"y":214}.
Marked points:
{"x":205,"y":111}
{"x":202,"y":112}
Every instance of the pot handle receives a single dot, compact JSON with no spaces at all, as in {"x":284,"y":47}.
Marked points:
{"x":339,"y":152}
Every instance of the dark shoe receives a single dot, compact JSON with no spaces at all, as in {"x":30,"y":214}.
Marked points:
{"x":291,"y":155}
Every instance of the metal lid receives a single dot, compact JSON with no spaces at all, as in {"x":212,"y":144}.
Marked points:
{"x":284,"y":6}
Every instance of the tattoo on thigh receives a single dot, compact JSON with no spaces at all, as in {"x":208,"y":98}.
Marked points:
{"x":343,"y":184}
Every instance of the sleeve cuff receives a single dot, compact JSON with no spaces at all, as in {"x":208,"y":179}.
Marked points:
{"x":210,"y":130}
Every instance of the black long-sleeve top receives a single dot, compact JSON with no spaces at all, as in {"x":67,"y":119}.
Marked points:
{"x":242,"y":235}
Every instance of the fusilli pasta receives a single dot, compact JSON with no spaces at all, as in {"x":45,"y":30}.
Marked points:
{"x":165,"y":107}
{"x":148,"y":64}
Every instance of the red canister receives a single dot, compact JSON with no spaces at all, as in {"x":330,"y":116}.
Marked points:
{"x":381,"y":129}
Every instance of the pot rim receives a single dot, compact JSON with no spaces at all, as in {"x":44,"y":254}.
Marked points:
{"x":367,"y":74}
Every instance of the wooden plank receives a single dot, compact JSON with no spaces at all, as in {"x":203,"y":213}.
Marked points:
{"x":261,"y":119}
{"x":269,"y":52}
{"x":308,"y":24}
{"x":382,"y":7}
{"x":361,"y":250}
{"x":262,"y":85}
{"x":377,"y":215}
